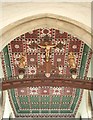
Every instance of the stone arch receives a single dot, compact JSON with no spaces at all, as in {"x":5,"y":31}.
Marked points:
{"x":46,"y":20}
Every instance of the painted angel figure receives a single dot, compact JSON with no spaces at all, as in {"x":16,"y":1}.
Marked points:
{"x":22,"y":61}
{"x":47,"y":48}
{"x":71,"y":60}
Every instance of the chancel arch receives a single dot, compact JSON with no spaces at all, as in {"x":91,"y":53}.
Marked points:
{"x":62,"y":23}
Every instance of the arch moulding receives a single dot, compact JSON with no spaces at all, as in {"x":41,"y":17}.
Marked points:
{"x":61,"y":23}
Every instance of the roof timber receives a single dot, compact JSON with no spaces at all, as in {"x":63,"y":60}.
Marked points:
{"x":43,"y":81}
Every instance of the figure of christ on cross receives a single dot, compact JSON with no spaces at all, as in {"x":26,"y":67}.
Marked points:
{"x":47,"y":48}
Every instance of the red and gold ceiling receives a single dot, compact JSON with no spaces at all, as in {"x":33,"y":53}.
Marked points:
{"x":45,"y":101}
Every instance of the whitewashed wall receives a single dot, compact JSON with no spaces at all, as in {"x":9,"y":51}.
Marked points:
{"x":77,"y":11}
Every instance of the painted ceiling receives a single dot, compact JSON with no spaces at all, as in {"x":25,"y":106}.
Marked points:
{"x":45,"y":101}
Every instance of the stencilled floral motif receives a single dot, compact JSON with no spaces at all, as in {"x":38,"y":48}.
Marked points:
{"x":32,"y":70}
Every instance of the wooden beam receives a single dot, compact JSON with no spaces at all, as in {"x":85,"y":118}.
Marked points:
{"x":56,"y":82}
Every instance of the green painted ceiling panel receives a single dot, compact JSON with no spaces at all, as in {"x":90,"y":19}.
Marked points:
{"x":35,"y":111}
{"x":23,"y":99}
{"x":66,"y":98}
{"x":34,"y":98}
{"x":74,"y":103}
{"x":23,"y":112}
{"x":45,"y":99}
{"x":54,"y":111}
{"x":64,"y":106}
{"x":55,"y":106}
{"x":16,"y":106}
{"x":83,"y":61}
{"x":77,"y":91}
{"x":35,"y":106}
{"x":7,"y":61}
{"x":44,"y":111}
{"x":24,"y":106}
{"x":12,"y":92}
{"x":65,"y":111}
{"x":44,"y":106}
{"x":86,"y":48}
{"x":55,"y":98}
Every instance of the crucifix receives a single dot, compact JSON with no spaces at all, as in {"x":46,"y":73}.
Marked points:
{"x":47,"y":48}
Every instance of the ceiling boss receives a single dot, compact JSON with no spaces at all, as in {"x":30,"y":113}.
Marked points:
{"x":22,"y":65}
